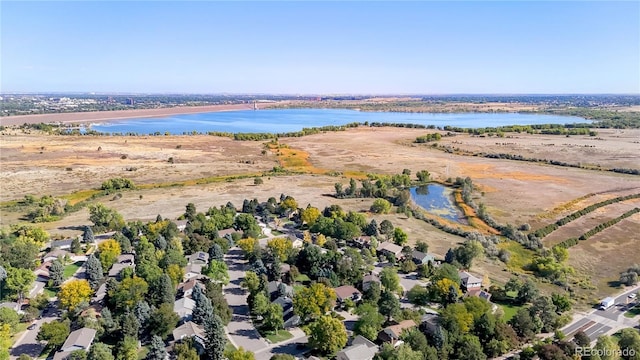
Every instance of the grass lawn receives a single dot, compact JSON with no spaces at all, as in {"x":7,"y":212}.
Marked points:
{"x":520,"y":257}
{"x":633,"y":312}
{"x":19,"y":329}
{"x":509,"y":310}
{"x":71,"y":269}
{"x":282,"y":336}
{"x":302,"y":278}
{"x":50,"y":292}
{"x":229,"y":346}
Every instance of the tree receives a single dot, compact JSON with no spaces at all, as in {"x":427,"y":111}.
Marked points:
{"x":203,"y":309}
{"x":280,"y":247}
{"x":386,"y":227}
{"x":163,"y":290}
{"x":527,"y":292}
{"x":581,"y":339}
{"x":142,"y":312}
{"x":524,"y":324}
{"x":314,"y":301}
{"x":630,"y":339}
{"x":328,"y":335}
{"x":310,"y":215}
{"x":129,"y":292}
{"x":184,"y":350}
{"x":19,"y":280}
{"x":100,"y":351}
{"x":390,"y":279}
{"x":216,"y":253}
{"x":130,"y":326}
{"x":422,"y":246}
{"x":54,"y":333}
{"x":239,"y":354}
{"x":108,"y":251}
{"x":104,"y":218}
{"x":215,"y":339}
{"x":22,"y":253}
{"x":466,"y":253}
{"x":372,"y":293}
{"x":94,"y":271}
{"x":380,"y":206}
{"x":369,"y":321}
{"x":273,"y":318}
{"x":423,"y":175}
{"x":399,"y":236}
{"x":3,"y":277}
{"x":75,"y":246}
{"x":73,"y":293}
{"x":418,"y":295}
{"x":127,"y":349}
{"x":10,"y":317}
{"x":56,"y":273}
{"x":156,"y":349}
{"x":388,"y":304}
{"x":251,"y":282}
{"x":218,"y":272}
{"x":470,"y":349}
{"x":5,"y":341}
{"x":608,"y":347}
{"x":87,"y":235}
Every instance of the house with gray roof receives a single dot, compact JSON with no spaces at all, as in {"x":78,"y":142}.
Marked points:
{"x":469,"y":282}
{"x":80,"y":339}
{"x":198,"y":257}
{"x":184,"y":308}
{"x":290,"y":318}
{"x":360,"y":349}
{"x":191,"y":330}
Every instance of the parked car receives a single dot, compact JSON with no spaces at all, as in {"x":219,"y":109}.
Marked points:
{"x":633,"y":296}
{"x":32,"y":326}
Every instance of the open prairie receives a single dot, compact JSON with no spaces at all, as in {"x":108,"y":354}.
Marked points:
{"x":515,"y":192}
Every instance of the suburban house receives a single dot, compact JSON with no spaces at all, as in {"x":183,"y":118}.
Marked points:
{"x":367,"y":280}
{"x":362,"y":242}
{"x":227,"y":233}
{"x":186,"y":288}
{"x":479,"y":293}
{"x":290,"y":319}
{"x":55,"y":254}
{"x":360,"y":349}
{"x":421,"y":258}
{"x":42,"y":272}
{"x":184,"y":308}
{"x":12,"y":305}
{"x":123,"y":261}
{"x":191,"y":330}
{"x":430,"y":323}
{"x":347,"y":292}
{"x":80,"y":339}
{"x":390,"y":248}
{"x":193,"y":271}
{"x":391,"y":334}
{"x":469,"y":282}
{"x":61,"y":244}
{"x":100,"y":294}
{"x":199,"y":257}
{"x":277,"y":289}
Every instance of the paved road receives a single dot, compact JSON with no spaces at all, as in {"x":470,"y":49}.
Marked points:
{"x":240,"y":329}
{"x":27,"y":343}
{"x":602,"y":322}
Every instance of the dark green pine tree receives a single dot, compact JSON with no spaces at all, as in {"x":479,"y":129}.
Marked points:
{"x":75,"y":246}
{"x":216,"y":339}
{"x":216,"y":253}
{"x":164,"y":291}
{"x":56,"y":273}
{"x":94,"y":271}
{"x":157,"y":349}
{"x":87,"y":235}
{"x":130,"y":325}
{"x":203,"y":309}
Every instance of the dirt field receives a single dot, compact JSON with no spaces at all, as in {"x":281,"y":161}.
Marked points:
{"x":514,"y":191}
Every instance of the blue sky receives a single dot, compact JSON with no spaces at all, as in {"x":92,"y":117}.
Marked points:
{"x":321,"y":47}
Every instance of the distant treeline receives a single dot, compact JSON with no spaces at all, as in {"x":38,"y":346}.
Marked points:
{"x":574,"y":241}
{"x":543,"y":232}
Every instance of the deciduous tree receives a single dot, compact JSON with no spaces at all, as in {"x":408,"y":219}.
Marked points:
{"x":54,"y":333}
{"x":314,"y":301}
{"x":73,"y":293}
{"x":108,"y":252}
{"x":369,"y":321}
{"x":328,"y":335}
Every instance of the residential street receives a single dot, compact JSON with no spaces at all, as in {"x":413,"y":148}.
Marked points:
{"x":27,"y":344}
{"x":240,"y":330}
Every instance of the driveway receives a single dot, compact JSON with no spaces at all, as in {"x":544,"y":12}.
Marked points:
{"x":240,"y":329}
{"x":27,"y":343}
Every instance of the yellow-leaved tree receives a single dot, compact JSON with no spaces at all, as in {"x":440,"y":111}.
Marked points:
{"x":109,"y":251}
{"x":280,"y":247}
{"x":73,"y":293}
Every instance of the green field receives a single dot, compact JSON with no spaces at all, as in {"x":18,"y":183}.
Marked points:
{"x":282,"y":336}
{"x":71,"y":269}
{"x":509,"y":310}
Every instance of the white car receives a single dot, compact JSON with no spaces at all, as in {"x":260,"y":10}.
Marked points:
{"x":633,"y":296}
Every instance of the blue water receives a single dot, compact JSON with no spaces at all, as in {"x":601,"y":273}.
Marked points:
{"x":280,"y":121}
{"x":437,"y":199}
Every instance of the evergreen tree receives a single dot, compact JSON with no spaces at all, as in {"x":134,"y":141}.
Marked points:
{"x":130,"y":325}
{"x":215,"y":338}
{"x":158,"y":218}
{"x":216,"y":253}
{"x":450,"y":256}
{"x":389,"y":304}
{"x":164,"y":291}
{"x":56,"y":273}
{"x":142,"y":312}
{"x":156,"y":349}
{"x":100,"y":351}
{"x":75,"y":246}
{"x":372,"y":228}
{"x":87,"y":235}
{"x":106,"y":320}
{"x":3,"y":277}
{"x":94,"y":271}
{"x":203,"y":309}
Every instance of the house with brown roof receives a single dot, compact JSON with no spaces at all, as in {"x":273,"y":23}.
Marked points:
{"x":386,"y":247}
{"x":186,"y":288}
{"x":367,"y":280}
{"x":80,"y":339}
{"x":347,"y":292}
{"x":391,"y":334}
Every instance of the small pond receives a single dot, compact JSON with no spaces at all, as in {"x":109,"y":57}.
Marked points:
{"x":438,"y":200}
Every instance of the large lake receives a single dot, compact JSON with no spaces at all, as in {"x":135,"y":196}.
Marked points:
{"x":280,"y":121}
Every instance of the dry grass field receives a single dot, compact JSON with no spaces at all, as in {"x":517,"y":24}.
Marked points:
{"x":515,"y":192}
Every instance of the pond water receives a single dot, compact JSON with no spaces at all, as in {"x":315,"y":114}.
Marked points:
{"x":438,"y":200}
{"x":289,"y":120}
